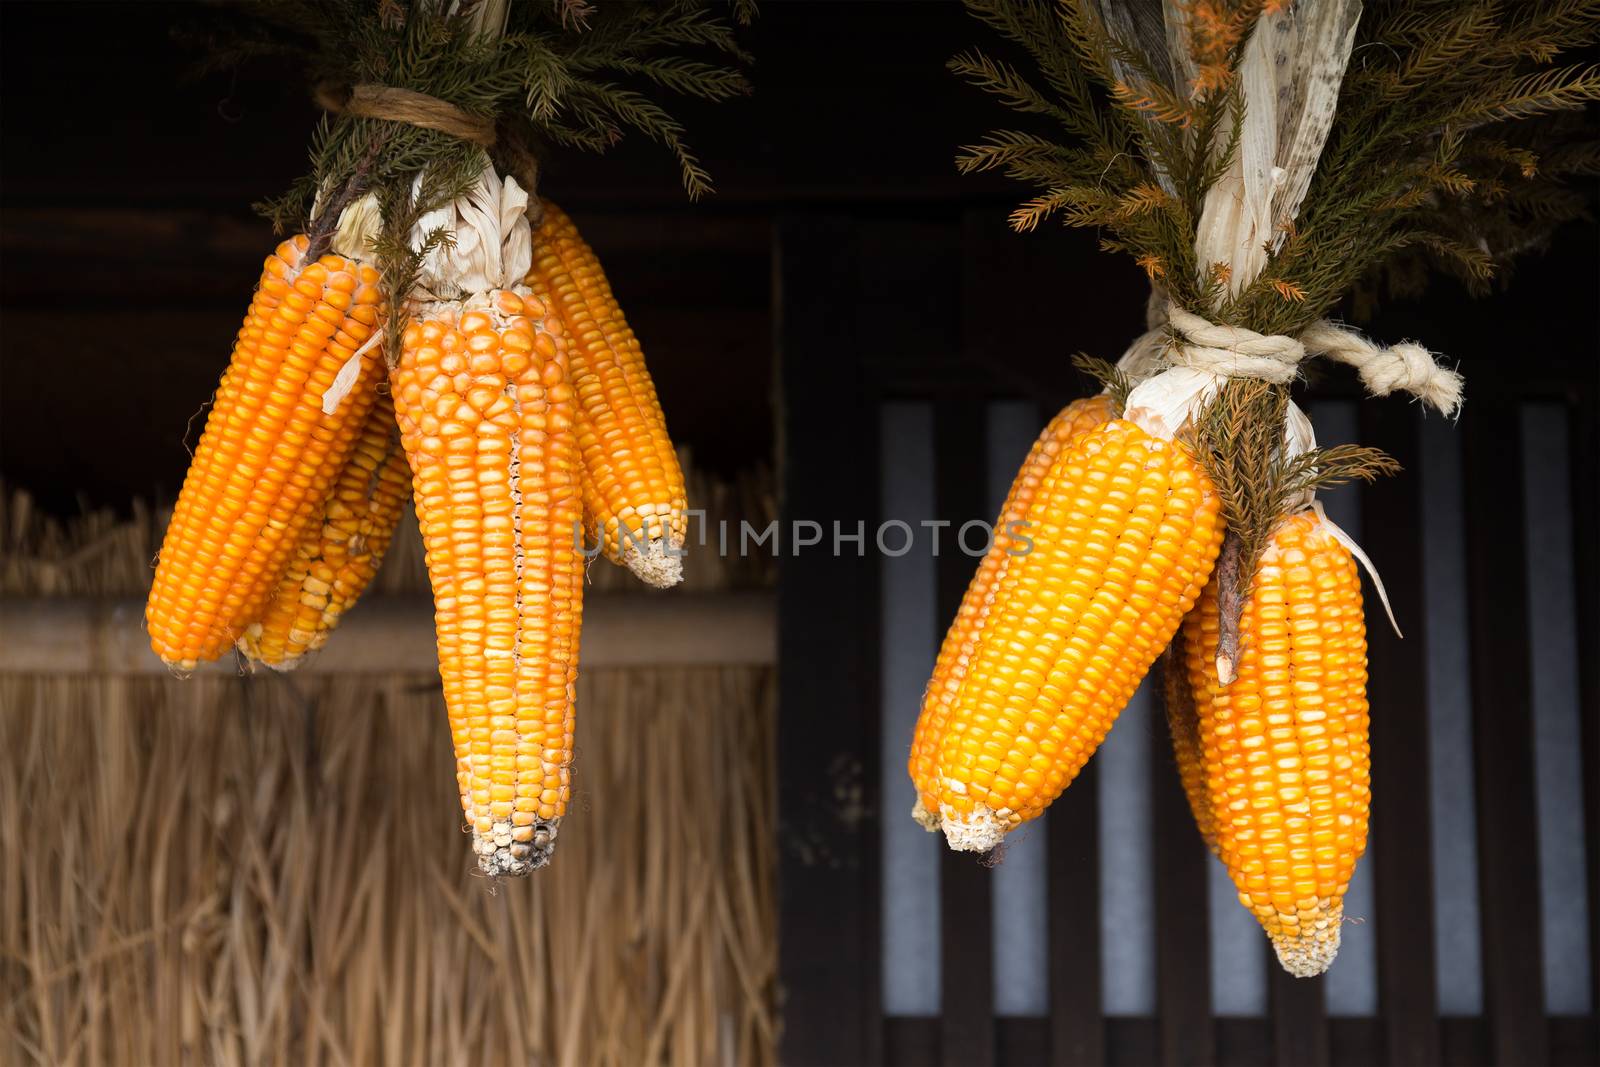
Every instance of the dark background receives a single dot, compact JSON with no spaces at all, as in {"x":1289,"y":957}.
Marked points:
{"x":128,"y":246}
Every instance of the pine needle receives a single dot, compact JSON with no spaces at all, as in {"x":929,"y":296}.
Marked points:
{"x":1441,"y":153}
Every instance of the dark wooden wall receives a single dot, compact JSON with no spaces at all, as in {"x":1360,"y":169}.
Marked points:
{"x":938,"y":310}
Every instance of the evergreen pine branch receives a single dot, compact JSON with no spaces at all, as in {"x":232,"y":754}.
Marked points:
{"x":643,"y":114}
{"x":1002,"y":80}
{"x":1560,"y":89}
{"x":1111,"y":378}
{"x":686,"y":76}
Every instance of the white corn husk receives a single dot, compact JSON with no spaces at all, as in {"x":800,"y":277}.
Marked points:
{"x":1290,"y":75}
{"x":492,"y":245}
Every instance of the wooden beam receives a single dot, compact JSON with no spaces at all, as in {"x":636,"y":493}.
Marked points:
{"x":386,"y":635}
{"x":1398,"y":685}
{"x":829,"y":933}
{"x":1502,"y":712}
{"x":965,"y":880}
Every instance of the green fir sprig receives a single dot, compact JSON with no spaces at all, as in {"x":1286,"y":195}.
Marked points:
{"x":1432,"y":152}
{"x":1239,"y":438}
{"x":537,"y":72}
{"x":560,"y":73}
{"x":1458,"y":142}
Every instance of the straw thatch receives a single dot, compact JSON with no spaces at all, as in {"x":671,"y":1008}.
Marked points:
{"x":271,"y":869}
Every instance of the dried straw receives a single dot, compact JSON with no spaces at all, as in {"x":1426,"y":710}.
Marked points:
{"x":272,"y":869}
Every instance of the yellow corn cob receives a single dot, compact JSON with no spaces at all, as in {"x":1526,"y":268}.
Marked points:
{"x":961,"y":640}
{"x":633,"y":496}
{"x":340,"y":550}
{"x":1125,"y":530}
{"x":268,"y":453}
{"x":1285,"y":746}
{"x":1182,"y":702}
{"x":486,"y":413}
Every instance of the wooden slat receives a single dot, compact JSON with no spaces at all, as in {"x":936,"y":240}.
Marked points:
{"x":1243,"y":1042}
{"x":911,"y":1041}
{"x":1359,"y":1042}
{"x":1077,"y":1030}
{"x":1574,"y":1041}
{"x":1022,"y":1041}
{"x":1464,"y":1041}
{"x":1299,"y":1019}
{"x":389,"y":634}
{"x":1183,"y":944}
{"x":1502,"y":723}
{"x":1397,"y":689}
{"x":965,"y":883}
{"x":1584,"y":430}
{"x":1131,"y":1040}
{"x":828,"y":645}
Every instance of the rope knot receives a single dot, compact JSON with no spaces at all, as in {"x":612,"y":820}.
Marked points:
{"x":1236,"y":352}
{"x":1233,"y":351}
{"x":1407,"y":366}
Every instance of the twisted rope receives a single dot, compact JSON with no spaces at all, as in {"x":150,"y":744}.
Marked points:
{"x":408,"y":106}
{"x":391,"y":104}
{"x":1236,"y":352}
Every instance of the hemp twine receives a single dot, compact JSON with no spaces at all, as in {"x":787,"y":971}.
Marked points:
{"x":390,"y":104}
{"x":1236,"y":352}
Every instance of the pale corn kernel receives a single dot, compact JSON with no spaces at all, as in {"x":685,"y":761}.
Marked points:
{"x":1114,"y":503}
{"x":960,"y":641}
{"x":268,"y":449}
{"x":496,"y":487}
{"x":1298,"y":820}
{"x":631,"y":468}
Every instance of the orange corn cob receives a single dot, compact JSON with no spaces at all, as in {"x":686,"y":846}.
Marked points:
{"x":961,"y":640}
{"x":1285,"y":745}
{"x":340,"y":551}
{"x":268,"y":453}
{"x":1182,"y":702}
{"x":1125,"y":530}
{"x":486,"y":413}
{"x":633,"y":496}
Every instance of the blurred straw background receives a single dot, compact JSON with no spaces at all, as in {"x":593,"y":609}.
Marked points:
{"x":271,"y":869}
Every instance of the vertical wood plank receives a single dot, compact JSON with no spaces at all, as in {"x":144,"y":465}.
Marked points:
{"x":1077,"y":1027}
{"x":1299,"y":1019}
{"x":1397,"y":690}
{"x":968,"y":1036}
{"x":1584,"y":431}
{"x":1502,"y":723}
{"x":1183,"y":943}
{"x":910,"y":1041}
{"x":827,"y":614}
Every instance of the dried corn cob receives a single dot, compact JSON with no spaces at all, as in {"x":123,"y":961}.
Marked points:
{"x":1125,"y":530}
{"x":340,"y":551}
{"x":961,"y":640}
{"x":1285,"y":745}
{"x":268,"y":453}
{"x":633,"y":496}
{"x":1183,"y":702}
{"x":486,"y":413}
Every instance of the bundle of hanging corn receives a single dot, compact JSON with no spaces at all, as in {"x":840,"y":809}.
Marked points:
{"x":1258,"y":174}
{"x":421,"y":288}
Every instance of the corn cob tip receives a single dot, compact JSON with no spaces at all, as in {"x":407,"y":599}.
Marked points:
{"x":1226,"y":671}
{"x":249,"y":646}
{"x":501,"y":854}
{"x":655,"y":564}
{"x":976,"y":831}
{"x":1309,"y":952}
{"x":926,"y":819}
